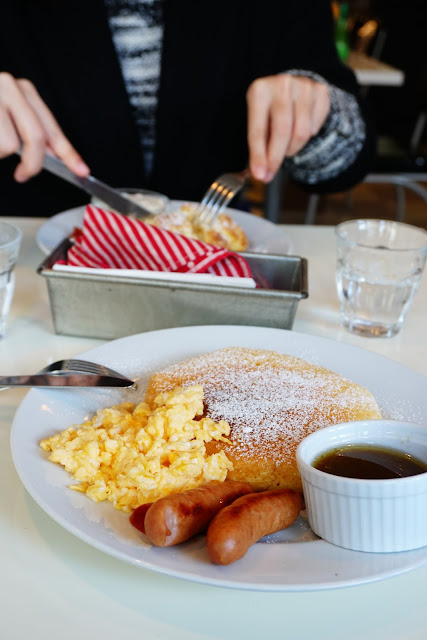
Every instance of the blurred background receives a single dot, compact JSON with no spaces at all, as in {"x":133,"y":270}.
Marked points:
{"x":385,"y":42}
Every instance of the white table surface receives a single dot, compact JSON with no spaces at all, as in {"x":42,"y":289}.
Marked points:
{"x":53,"y":586}
{"x":370,"y":71}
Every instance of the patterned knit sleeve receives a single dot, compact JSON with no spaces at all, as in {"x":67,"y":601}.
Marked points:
{"x":337,"y":144}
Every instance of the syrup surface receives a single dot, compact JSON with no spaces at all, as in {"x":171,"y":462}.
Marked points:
{"x":369,"y":462}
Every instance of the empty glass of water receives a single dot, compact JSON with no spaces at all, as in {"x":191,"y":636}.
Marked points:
{"x":10,"y":242}
{"x":379,"y":267}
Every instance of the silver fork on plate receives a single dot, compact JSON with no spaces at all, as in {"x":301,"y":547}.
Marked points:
{"x":72,"y":365}
{"x":70,"y":373}
{"x":219,"y":196}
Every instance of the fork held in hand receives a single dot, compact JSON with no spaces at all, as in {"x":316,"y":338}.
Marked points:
{"x":219,"y":196}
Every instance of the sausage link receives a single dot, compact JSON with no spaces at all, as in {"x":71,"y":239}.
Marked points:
{"x":180,"y":516}
{"x":248,"y":519}
{"x":137,"y":517}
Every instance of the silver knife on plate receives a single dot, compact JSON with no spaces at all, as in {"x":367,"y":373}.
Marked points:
{"x":94,"y":187}
{"x":63,"y":381}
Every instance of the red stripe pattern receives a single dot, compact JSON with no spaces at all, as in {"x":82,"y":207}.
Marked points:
{"x":112,"y":241}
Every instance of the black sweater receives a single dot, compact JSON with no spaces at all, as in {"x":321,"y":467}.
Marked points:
{"x":211,"y":53}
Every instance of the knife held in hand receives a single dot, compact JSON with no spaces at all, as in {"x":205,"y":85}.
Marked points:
{"x":62,"y":381}
{"x":94,"y":187}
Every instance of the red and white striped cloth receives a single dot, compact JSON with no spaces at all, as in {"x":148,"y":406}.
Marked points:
{"x":112,"y":241}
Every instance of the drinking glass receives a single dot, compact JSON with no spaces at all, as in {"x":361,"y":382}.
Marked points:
{"x":379,"y":268}
{"x":10,"y":242}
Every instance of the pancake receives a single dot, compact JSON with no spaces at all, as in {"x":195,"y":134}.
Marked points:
{"x":271,"y":401}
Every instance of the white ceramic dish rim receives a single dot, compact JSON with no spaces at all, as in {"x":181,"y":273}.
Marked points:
{"x":351,"y":433}
{"x":367,"y":515}
{"x":290,"y":565}
{"x":264,"y":236}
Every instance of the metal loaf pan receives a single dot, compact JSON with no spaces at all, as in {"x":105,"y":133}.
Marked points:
{"x":99,"y":306}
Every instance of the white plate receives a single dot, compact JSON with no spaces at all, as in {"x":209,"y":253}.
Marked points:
{"x":263,"y":236}
{"x":296,"y":561}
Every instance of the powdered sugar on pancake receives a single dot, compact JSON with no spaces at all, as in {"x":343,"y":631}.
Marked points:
{"x":270,"y":400}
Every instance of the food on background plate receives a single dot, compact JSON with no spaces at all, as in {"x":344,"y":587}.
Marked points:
{"x":238,"y":526}
{"x":131,"y":455}
{"x":271,"y":402}
{"x":223,"y":233}
{"x":178,"y":517}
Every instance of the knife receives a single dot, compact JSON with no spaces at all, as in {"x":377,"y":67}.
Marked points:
{"x":94,"y":187}
{"x":62,"y":381}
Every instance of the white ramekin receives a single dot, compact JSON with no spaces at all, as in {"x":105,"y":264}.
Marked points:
{"x":151,"y":200}
{"x":366,"y":515}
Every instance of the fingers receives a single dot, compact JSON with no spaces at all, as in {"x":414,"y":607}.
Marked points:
{"x":284,"y":112}
{"x":258,"y":100}
{"x":26,"y":123}
{"x":321,"y":108}
{"x":282,"y":116}
{"x":9,"y":139}
{"x":55,"y":138}
{"x":302,"y":107}
{"x":20,"y":124}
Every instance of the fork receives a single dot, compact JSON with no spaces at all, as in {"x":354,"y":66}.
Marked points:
{"x":219,"y":196}
{"x":69,"y":373}
{"x":62,"y":367}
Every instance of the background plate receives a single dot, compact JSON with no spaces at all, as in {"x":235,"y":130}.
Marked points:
{"x":263,"y":236}
{"x":294,"y":561}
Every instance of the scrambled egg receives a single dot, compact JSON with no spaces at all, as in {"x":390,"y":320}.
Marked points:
{"x":130,"y":455}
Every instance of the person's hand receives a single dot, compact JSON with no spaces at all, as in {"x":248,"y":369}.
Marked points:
{"x":26,"y":121}
{"x":284,"y":112}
